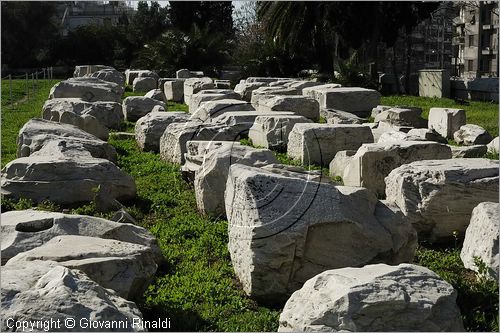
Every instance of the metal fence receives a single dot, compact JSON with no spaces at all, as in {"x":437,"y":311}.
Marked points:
{"x":31,"y":81}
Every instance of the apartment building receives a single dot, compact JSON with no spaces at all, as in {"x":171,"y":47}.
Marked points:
{"x":430,"y":43}
{"x":476,"y":40}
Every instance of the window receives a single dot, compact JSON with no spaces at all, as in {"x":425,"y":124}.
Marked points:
{"x":472,"y":40}
{"x":470,"y":65}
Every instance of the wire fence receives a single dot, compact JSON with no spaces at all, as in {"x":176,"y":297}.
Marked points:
{"x":32,"y":82}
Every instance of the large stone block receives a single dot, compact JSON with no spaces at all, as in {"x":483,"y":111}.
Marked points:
{"x":210,"y":95}
{"x":245,"y":117}
{"x":215,"y":108}
{"x":302,"y":84}
{"x":340,"y":117}
{"x":183,"y":74}
{"x":318,"y":92}
{"x":471,"y":134}
{"x":425,"y":134}
{"x":194,"y":85}
{"x":174,"y":139}
{"x":24,"y":230}
{"x":340,"y":162}
{"x":402,"y":116}
{"x":374,"y":298}
{"x":438,"y":196}
{"x":83,"y":70}
{"x":65,"y":175}
{"x":210,"y":178}
{"x":47,"y":291}
{"x":318,"y":143}
{"x":132,"y":74}
{"x":144,"y":84}
{"x":446,"y":121}
{"x":267,"y":80}
{"x":373,"y":162}
{"x":481,"y":238}
{"x":110,"y":114}
{"x":245,"y":89}
{"x":300,"y":105}
{"x":261,"y":94}
{"x":126,"y":268}
{"x":287,"y":225}
{"x":493,"y":146}
{"x":85,"y":122}
{"x":156,"y":94}
{"x":150,"y":128}
{"x":272,"y":131}
{"x":359,"y":101}
{"x":135,"y":107}
{"x":174,"y":90}
{"x":88,"y":89}
{"x":194,"y":156}
{"x":468,"y":151}
{"x":109,"y":75}
{"x":37,"y":133}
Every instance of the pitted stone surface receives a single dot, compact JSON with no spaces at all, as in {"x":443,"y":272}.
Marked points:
{"x":287,"y":225}
{"x":371,"y":299}
{"x":318,"y":143}
{"x":438,"y":196}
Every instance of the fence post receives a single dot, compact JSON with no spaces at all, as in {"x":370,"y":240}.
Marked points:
{"x":26,"y":85}
{"x":10,"y":90}
{"x":36,"y":78}
{"x":33,"y":82}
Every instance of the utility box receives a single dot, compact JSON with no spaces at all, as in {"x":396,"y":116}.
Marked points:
{"x":434,"y":83}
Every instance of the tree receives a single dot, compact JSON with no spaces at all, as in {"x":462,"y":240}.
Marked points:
{"x":148,"y":23}
{"x":174,"y":49}
{"x":297,"y":26}
{"x":214,"y":16}
{"x":317,"y":25}
{"x":26,"y":33}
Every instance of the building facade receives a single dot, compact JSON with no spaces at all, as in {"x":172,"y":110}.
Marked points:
{"x":74,"y":14}
{"x":476,"y":40}
{"x":429,"y":46}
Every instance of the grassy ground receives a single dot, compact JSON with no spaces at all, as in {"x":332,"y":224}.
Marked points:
{"x":480,"y":113}
{"x":196,"y":286}
{"x":16,"y":115}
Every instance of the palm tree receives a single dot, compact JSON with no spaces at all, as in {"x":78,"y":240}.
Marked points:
{"x":300,"y":25}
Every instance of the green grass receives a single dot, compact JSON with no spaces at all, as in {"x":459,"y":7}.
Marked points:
{"x":173,"y":106}
{"x":483,"y":114}
{"x":477,"y":298}
{"x":14,"y":117}
{"x":196,"y":287}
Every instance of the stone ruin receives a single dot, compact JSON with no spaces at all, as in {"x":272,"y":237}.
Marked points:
{"x":327,"y":246}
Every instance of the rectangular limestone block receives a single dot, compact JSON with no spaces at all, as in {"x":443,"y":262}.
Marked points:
{"x":359,"y":101}
{"x":272,"y":131}
{"x":446,"y":121}
{"x":300,"y":105}
{"x":438,"y":196}
{"x":174,"y":90}
{"x":318,"y":143}
{"x":373,"y":162}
